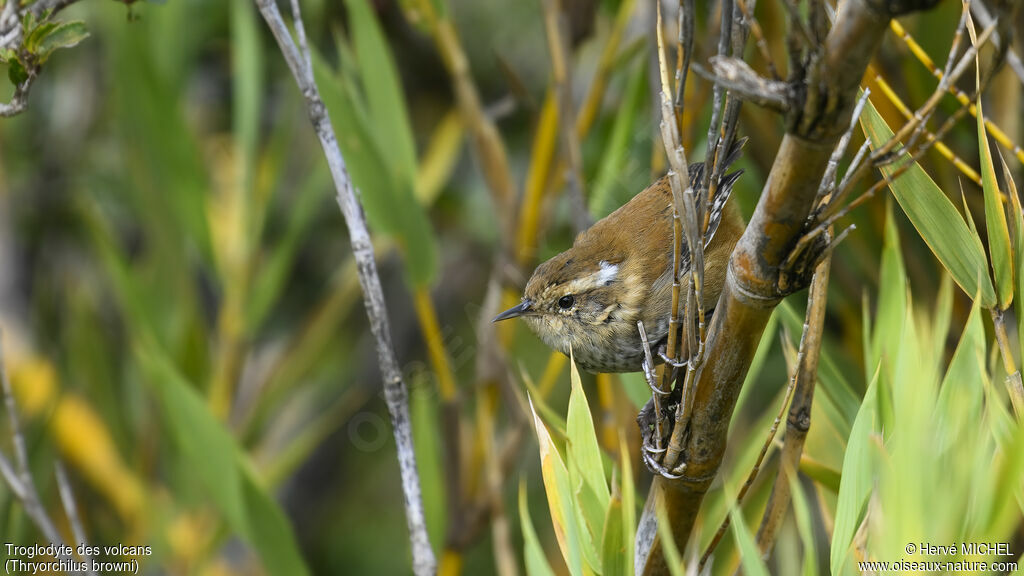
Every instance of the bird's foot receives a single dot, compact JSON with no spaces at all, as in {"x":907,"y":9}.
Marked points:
{"x":653,"y":422}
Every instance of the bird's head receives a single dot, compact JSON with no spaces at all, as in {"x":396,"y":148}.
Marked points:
{"x":569,"y":298}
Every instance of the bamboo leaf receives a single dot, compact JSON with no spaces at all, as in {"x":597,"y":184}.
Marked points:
{"x":804,"y":524}
{"x":628,"y":506}
{"x":942,"y":316}
{"x":750,"y":556}
{"x":387,"y":188}
{"x":959,"y":392}
{"x":276,"y":267}
{"x":995,"y":219}
{"x":425,"y":417}
{"x":668,"y":544}
{"x":247,"y":85}
{"x":560,"y":497}
{"x":535,"y":561}
{"x":586,"y":471}
{"x":383,"y":91}
{"x":613,"y":542}
{"x":616,"y":154}
{"x":934,"y":217}
{"x":892,"y":322}
{"x":221,"y":467}
{"x":1017,"y":221}
{"x":856,"y":482}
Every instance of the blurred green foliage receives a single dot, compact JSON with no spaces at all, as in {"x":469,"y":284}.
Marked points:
{"x":172,"y":255}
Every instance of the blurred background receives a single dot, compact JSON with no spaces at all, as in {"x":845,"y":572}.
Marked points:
{"x":179,"y":302}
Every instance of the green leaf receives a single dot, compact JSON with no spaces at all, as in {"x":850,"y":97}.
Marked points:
{"x":387,"y":194}
{"x":561,"y":501}
{"x":383,"y":90}
{"x":167,"y":182}
{"x":36,"y":35}
{"x":764,"y":350}
{"x":275,"y":269}
{"x":750,"y":556}
{"x":611,"y":171}
{"x":942,"y":316}
{"x":550,"y":414}
{"x":934,"y":217}
{"x":668,"y":543}
{"x":959,"y":393}
{"x":892,"y":296}
{"x":425,"y":416}
{"x":28,"y":21}
{"x":534,"y":559}
{"x":221,"y":468}
{"x":613,"y":542}
{"x":821,"y":474}
{"x":628,"y":506}
{"x":804,"y":524}
{"x":246,"y":88}
{"x":63,"y":35}
{"x":1007,"y":474}
{"x":1017,"y":220}
{"x":269,"y":532}
{"x":856,"y":482}
{"x":586,"y":470}
{"x":995,"y":219}
{"x":16,"y":72}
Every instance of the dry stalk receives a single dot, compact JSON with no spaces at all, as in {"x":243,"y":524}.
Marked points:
{"x":555,"y":25}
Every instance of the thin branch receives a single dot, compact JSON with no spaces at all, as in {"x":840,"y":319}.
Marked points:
{"x":752,"y":475}
{"x":684,"y":54}
{"x":799,"y":420}
{"x":67,"y":498}
{"x":395,"y":390}
{"x":759,"y":39}
{"x":838,"y":207}
{"x":29,"y":496}
{"x":828,"y":181}
{"x":739,"y":78}
{"x":656,"y":391}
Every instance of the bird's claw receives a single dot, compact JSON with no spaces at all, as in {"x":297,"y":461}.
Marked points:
{"x":672,"y":362}
{"x":656,"y":468}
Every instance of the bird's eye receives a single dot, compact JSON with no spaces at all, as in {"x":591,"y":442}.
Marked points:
{"x":566,"y":302}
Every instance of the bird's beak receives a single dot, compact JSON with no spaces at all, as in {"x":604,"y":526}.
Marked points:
{"x":513,"y":312}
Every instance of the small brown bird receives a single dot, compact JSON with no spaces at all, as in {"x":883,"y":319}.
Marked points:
{"x":619,"y":271}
